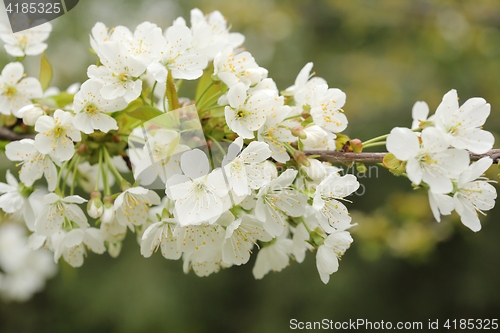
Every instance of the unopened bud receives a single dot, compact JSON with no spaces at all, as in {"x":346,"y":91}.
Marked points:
{"x":305,"y":115}
{"x":301,"y":158}
{"x":95,"y":206}
{"x":82,"y":149}
{"x":30,"y":114}
{"x":108,"y":214}
{"x":356,"y":145}
{"x":270,"y":170}
{"x":316,"y":170}
{"x":298,"y":131}
{"x":316,"y":137}
{"x":318,"y":237}
{"x":114,"y":249}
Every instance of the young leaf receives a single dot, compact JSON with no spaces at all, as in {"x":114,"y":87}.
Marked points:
{"x":45,"y":72}
{"x":145,"y":113}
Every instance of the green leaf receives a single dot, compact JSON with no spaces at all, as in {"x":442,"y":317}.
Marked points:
{"x":145,"y":113}
{"x":204,"y":82}
{"x":45,"y":72}
{"x":63,"y":99}
{"x":132,"y":106}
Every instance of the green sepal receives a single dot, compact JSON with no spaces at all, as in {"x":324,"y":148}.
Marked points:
{"x":394,"y":165}
{"x":361,"y":167}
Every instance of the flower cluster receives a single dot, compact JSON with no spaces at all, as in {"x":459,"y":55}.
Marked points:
{"x":435,"y":154}
{"x":215,"y":176}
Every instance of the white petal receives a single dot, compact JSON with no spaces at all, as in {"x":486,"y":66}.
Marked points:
{"x":327,"y":263}
{"x":419,"y":113}
{"x":403,"y":143}
{"x":448,"y":105}
{"x":475,"y":170}
{"x":12,"y":73}
{"x":195,"y":163}
{"x":94,"y":240}
{"x":73,"y":238}
{"x":441,"y":204}
{"x":434,"y":140}
{"x":414,"y":171}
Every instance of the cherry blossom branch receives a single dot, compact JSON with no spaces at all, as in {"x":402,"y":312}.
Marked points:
{"x":346,"y":157}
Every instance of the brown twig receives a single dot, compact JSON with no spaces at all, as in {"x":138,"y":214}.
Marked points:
{"x":9,"y":135}
{"x":347,"y":157}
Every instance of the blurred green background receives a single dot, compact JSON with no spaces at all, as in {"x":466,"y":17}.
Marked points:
{"x":403,"y":265}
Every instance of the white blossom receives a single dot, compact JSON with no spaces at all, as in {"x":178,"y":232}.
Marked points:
{"x":326,"y":108}
{"x":198,"y":194}
{"x":331,"y":213}
{"x":246,"y":113}
{"x":474,"y":194}
{"x":232,"y":67}
{"x":441,"y":204}
{"x":463,"y":124}
{"x":276,"y":198}
{"x":56,"y":134}
{"x":58,"y":213}
{"x":419,"y":113}
{"x":34,"y":164}
{"x":211,"y":33}
{"x":273,"y":257}
{"x":430,"y":160}
{"x":147,"y":42}
{"x":241,"y":236}
{"x":245,"y":171}
{"x":178,"y":56}
{"x":119,"y":73}
{"x":92,"y":109}
{"x":275,"y":133}
{"x":16,"y":90}
{"x":11,"y":200}
{"x":132,"y":206}
{"x":203,"y":238}
{"x":28,"y":42}
{"x":329,"y":253}
{"x":159,"y":157}
{"x":160,"y":234}
{"x":71,"y":245}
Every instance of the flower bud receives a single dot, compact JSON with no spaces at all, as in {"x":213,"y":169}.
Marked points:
{"x":114,"y":249}
{"x":306,"y":109}
{"x":30,"y":114}
{"x":270,"y":170}
{"x":95,"y":207}
{"x":316,"y":170}
{"x":298,"y":131}
{"x":316,"y":137}
{"x":301,"y":158}
{"x":108,"y":214}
